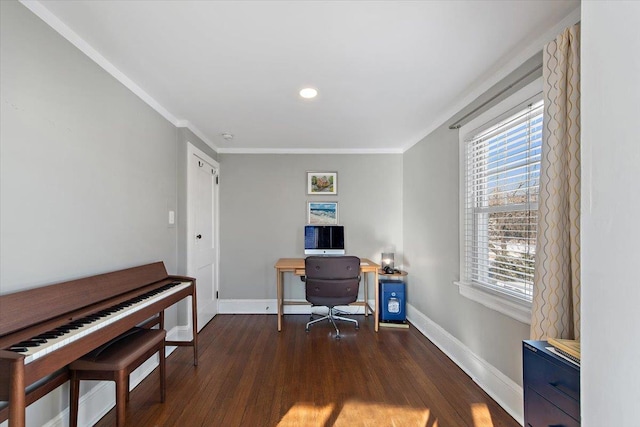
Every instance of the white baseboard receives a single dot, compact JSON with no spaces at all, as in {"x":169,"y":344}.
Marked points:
{"x":100,"y":399}
{"x":506,"y":392}
{"x":267,"y":306}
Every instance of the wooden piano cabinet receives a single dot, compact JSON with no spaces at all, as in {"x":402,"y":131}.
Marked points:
{"x":27,"y":314}
{"x":12,"y":384}
{"x":551,"y":387}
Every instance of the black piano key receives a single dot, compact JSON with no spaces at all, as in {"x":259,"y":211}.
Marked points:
{"x":27,"y":344}
{"x":18,"y":349}
{"x":80,"y":322}
{"x":71,"y":326}
{"x":47,"y":336}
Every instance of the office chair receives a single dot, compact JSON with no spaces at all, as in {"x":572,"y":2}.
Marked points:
{"x":332,"y":281}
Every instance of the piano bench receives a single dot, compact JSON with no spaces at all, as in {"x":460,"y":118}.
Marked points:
{"x":114,"y":361}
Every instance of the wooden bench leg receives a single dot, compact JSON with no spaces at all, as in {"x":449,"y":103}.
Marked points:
{"x":74,"y":396}
{"x":122,"y":379}
{"x":128,"y":387}
{"x":163,"y":376}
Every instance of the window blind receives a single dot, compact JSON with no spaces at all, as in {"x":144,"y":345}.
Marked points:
{"x":502,"y":181}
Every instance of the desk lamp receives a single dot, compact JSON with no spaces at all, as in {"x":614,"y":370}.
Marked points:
{"x":387,"y":262}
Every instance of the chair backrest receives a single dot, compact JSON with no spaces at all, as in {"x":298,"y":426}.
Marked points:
{"x":332,"y":280}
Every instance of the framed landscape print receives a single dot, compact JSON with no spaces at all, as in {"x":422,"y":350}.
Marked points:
{"x":322,"y":183}
{"x":322,"y":213}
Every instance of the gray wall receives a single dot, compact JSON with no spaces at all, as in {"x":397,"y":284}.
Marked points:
{"x":87,"y":170}
{"x":263,"y":212}
{"x":431,"y":219}
{"x":431,"y":246}
{"x":609,"y":208}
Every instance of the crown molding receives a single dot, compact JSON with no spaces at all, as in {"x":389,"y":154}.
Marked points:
{"x":197,"y":132}
{"x":525,"y":50}
{"x":54,"y":22}
{"x":38,"y":9}
{"x":310,"y":150}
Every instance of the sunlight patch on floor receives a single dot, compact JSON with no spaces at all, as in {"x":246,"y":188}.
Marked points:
{"x":373,"y":414}
{"x":306,"y":414}
{"x":356,"y":413}
{"x":481,"y":415}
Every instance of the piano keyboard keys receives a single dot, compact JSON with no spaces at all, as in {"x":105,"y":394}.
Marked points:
{"x":28,"y":344}
{"x":50,"y":341}
{"x":49,"y":335}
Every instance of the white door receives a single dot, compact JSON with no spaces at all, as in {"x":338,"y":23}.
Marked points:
{"x":202,"y":232}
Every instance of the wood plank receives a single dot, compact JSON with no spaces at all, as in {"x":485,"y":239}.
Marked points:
{"x":251,"y":374}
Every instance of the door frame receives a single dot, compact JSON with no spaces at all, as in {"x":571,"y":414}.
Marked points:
{"x":192,"y":150}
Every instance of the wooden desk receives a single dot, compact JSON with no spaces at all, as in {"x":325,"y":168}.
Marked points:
{"x":397,"y":275}
{"x":296,"y":266}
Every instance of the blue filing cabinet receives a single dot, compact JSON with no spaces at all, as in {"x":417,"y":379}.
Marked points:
{"x":392,"y":301}
{"x":551,"y":387}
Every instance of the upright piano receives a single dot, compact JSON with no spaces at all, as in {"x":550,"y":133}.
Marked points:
{"x":43,"y":329}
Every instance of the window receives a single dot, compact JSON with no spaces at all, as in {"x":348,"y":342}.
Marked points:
{"x":501,"y":164}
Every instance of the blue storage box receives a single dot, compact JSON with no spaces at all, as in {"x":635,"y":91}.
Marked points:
{"x":392,"y":301}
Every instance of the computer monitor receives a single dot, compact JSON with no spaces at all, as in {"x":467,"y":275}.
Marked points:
{"x":324,"y":240}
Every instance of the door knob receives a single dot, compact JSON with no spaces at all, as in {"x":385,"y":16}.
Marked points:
{"x":199,"y":236}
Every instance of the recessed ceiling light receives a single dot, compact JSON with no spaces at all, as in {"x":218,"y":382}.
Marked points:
{"x":308,"y":93}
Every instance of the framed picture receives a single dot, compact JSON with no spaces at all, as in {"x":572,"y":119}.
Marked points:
{"x":322,"y":213}
{"x":322,"y":182}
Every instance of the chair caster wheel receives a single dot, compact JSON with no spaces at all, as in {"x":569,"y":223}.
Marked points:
{"x":337,"y":337}
{"x":306,"y":329}
{"x":357,"y":327}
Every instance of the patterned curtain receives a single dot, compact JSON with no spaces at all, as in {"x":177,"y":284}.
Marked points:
{"x":556,"y":280}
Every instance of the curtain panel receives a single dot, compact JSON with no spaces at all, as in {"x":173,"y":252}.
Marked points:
{"x":556,"y":289}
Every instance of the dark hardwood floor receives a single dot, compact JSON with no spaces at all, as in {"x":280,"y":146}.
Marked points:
{"x":249,"y":374}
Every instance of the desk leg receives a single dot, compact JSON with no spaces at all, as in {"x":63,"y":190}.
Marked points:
{"x":376,"y":309}
{"x":279,"y":290}
{"x":366,"y":294}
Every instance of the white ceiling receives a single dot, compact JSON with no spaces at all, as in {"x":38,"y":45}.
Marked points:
{"x":387,"y":72}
